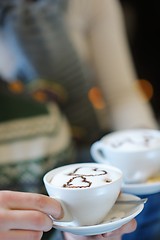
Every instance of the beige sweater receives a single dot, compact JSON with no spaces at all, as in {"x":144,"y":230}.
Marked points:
{"x":98,"y":33}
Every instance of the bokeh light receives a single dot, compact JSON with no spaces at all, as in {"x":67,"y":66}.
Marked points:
{"x":16,"y":87}
{"x":146,"y":87}
{"x":96,"y":98}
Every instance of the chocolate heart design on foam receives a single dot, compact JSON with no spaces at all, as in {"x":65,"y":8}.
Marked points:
{"x":145,"y":141}
{"x":72,"y":183}
{"x":82,"y":177}
{"x":87,"y":172}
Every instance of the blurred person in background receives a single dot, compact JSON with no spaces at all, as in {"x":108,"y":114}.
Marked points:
{"x":63,"y":59}
{"x":142,"y":23}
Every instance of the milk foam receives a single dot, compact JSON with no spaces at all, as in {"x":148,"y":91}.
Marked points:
{"x":82,"y":177}
{"x":133,"y":141}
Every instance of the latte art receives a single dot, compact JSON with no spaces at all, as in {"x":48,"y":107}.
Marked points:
{"x":72,"y":183}
{"x":133,"y":141}
{"x":90,"y":172}
{"x":82,"y":177}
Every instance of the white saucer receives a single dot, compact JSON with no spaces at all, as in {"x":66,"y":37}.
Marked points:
{"x":118,"y":216}
{"x":142,"y":188}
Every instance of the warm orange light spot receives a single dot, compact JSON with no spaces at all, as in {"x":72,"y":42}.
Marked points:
{"x":147,"y":88}
{"x":16,"y":87}
{"x":40,"y":96}
{"x":54,"y":87}
{"x":95,"y":96}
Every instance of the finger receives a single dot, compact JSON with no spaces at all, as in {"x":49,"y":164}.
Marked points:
{"x":31,"y":201}
{"x":19,"y":235}
{"x":127,"y":228}
{"x":115,"y":235}
{"x":113,"y":238}
{"x":26,"y":220}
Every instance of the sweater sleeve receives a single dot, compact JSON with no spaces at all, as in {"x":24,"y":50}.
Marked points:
{"x":114,"y":67}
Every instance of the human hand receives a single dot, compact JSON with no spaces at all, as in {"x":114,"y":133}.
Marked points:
{"x":26,"y":215}
{"x":115,"y":235}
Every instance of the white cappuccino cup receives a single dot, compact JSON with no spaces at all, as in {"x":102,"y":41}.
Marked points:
{"x":136,"y":152}
{"x":87,"y":191}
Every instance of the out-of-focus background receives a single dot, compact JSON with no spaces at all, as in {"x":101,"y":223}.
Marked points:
{"x":143,"y":26}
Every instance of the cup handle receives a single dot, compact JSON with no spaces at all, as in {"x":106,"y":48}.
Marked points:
{"x":67,"y":218}
{"x":96,"y":151}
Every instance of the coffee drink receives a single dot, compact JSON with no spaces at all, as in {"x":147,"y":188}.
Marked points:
{"x":135,"y":151}
{"x":134,"y":141}
{"x":82,"y":177}
{"x":87,"y":191}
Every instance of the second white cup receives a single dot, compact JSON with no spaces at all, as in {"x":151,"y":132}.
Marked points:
{"x":136,"y":152}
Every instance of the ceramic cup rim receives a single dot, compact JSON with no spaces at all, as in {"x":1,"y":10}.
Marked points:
{"x":50,"y":173}
{"x":128,"y":152}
